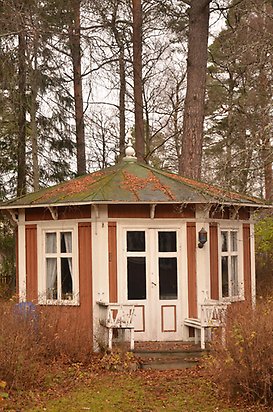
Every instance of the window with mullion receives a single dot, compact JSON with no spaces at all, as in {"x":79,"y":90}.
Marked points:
{"x":59,"y":265}
{"x":229,"y":263}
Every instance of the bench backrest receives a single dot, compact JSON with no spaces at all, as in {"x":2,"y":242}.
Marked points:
{"x":213,"y":314}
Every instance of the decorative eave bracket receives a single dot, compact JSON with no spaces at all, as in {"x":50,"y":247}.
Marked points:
{"x":152,"y":210}
{"x":54,"y":212}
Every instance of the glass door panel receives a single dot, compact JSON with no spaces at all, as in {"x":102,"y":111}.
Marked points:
{"x":167,"y":241}
{"x":136,"y":264}
{"x":167,"y":278}
{"x":136,"y":278}
{"x":167,"y":265}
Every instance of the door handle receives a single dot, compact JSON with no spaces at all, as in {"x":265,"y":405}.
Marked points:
{"x":153,"y":283}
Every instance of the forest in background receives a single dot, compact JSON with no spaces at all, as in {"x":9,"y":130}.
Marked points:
{"x":192,"y":79}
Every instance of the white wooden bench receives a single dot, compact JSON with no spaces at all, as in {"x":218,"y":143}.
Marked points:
{"x":117,"y":316}
{"x":213,"y":315}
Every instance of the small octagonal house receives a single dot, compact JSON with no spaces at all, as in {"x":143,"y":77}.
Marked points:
{"x":134,"y":237}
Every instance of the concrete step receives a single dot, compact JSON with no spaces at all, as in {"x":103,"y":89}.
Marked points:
{"x":170,"y":354}
{"x":172,"y":364}
{"x":163,"y":360}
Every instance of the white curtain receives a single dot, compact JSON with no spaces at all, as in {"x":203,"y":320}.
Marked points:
{"x":51,"y":243}
{"x":68,"y":241}
{"x":51,"y":277}
{"x":51,"y":267}
{"x":68,"y":248}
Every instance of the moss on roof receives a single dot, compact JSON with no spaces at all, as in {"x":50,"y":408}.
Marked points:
{"x":131,"y":181}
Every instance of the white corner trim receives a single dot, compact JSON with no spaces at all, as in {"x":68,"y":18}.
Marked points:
{"x":202,"y":213}
{"x":22,"y":256}
{"x":252,"y":264}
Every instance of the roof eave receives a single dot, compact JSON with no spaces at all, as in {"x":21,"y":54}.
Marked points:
{"x":104,"y":202}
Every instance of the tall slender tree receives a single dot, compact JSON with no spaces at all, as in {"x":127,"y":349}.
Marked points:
{"x":75,"y":47}
{"x":194,"y":110}
{"x":138,"y":84}
{"x":22,"y":108}
{"x":239,"y":139}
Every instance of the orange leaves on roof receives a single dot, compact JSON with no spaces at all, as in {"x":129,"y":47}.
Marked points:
{"x":135,"y":184}
{"x":216,"y":191}
{"x":72,"y":187}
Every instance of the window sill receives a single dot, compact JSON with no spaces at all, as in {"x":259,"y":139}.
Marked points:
{"x":233,"y":299}
{"x":59,"y":303}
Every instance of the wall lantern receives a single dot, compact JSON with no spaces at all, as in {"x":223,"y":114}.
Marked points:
{"x":202,"y":237}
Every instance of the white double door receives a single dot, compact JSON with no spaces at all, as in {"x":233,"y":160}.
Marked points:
{"x":153,"y":269}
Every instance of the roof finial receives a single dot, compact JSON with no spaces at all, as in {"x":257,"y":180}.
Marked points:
{"x":130,"y":151}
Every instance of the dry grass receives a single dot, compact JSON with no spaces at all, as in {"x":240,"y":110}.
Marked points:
{"x":244,"y":366}
{"x":31,"y":341}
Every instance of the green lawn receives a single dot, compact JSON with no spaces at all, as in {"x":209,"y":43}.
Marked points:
{"x":141,"y":391}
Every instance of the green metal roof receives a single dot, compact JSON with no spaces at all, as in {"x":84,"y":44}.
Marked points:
{"x":131,"y":182}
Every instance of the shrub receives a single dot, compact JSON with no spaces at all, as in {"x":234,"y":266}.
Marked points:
{"x":19,"y":353}
{"x":62,"y":336}
{"x":31,"y":342}
{"x":264,"y":254}
{"x":244,"y":365}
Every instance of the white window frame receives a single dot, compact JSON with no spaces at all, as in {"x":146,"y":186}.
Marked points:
{"x":57,"y":227}
{"x":169,"y":255}
{"x":136,"y":254}
{"x":239,"y":253}
{"x":157,"y":225}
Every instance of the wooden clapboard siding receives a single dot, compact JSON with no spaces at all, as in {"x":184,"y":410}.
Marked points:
{"x":214,"y":267}
{"x":174,"y":211}
{"x":112,"y":248}
{"x":244,"y":213}
{"x":75,"y":323}
{"x":217,"y":212}
{"x":31,"y":263}
{"x":129,"y":211}
{"x":247,"y":262}
{"x":226,"y":212}
{"x":162,"y":211}
{"x":68,"y":212}
{"x":85,"y":274}
{"x":37,"y":213}
{"x":192,"y":280}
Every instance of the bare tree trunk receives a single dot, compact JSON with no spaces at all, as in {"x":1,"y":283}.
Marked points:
{"x":75,"y":46}
{"x":122,"y":92}
{"x":229,"y":133}
{"x":246,"y":164}
{"x":21,"y":148}
{"x":137,"y":63}
{"x":34,"y":137}
{"x":265,"y":134}
{"x":191,"y":155}
{"x":147,"y":134}
{"x":176,"y":103}
{"x":268,"y":174}
{"x":33,"y":121}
